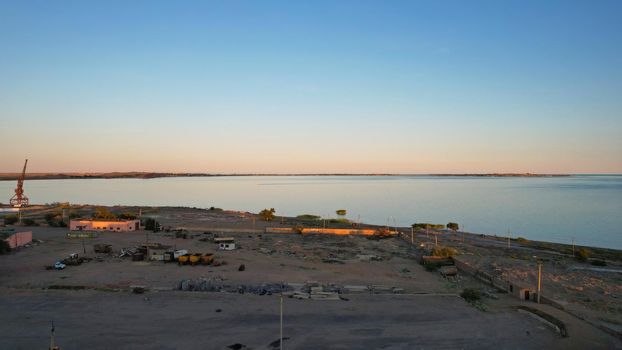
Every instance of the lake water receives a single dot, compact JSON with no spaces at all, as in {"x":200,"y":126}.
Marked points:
{"x":587,"y":207}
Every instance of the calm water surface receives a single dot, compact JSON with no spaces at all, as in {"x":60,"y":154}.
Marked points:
{"x":587,"y":207}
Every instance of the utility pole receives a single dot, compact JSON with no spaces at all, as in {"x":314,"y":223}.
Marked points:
{"x":463,"y":233}
{"x":573,"y":246}
{"x":412,"y":236}
{"x":508,"y":238}
{"x":539,"y":279}
{"x":281,"y":332}
{"x":435,"y":241}
{"x":83,"y":247}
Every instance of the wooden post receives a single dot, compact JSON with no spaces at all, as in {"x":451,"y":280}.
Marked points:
{"x":539,"y":280}
{"x":281,"y":332}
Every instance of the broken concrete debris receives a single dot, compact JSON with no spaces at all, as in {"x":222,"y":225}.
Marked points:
{"x":309,"y":290}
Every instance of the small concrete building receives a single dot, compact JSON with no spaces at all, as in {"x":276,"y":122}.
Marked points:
{"x":104,"y":225}
{"x":16,"y":239}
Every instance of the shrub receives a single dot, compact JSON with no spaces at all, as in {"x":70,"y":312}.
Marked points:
{"x":103,"y":213}
{"x":425,"y":225}
{"x":267,"y":214}
{"x":308,"y":217}
{"x":446,"y":252}
{"x":4,"y":246}
{"x":10,"y":219}
{"x":471,"y":294}
{"x":29,"y":222}
{"x":127,"y":216}
{"x":522,"y":240}
{"x":430,"y":267}
{"x":598,"y":262}
{"x":582,"y":254}
{"x":338,"y":221}
{"x":298,"y":229}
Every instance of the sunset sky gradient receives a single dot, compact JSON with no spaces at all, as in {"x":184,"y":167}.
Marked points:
{"x":311,"y":87}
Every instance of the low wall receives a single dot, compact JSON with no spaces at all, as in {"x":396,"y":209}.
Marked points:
{"x":19,"y":239}
{"x":331,"y":231}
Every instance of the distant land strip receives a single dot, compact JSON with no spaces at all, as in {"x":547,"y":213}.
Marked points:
{"x":153,"y":175}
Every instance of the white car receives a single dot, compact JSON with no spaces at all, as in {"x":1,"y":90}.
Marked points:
{"x":59,"y":266}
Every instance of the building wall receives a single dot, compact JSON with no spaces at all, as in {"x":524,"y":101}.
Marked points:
{"x":102,"y":225}
{"x":19,"y":239}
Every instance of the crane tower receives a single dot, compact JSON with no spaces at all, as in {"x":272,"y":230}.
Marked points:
{"x":18,"y":199}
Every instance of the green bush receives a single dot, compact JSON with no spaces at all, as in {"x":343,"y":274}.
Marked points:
{"x":582,"y":254}
{"x":471,"y":295}
{"x":10,"y":219}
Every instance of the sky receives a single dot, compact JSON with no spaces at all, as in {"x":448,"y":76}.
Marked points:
{"x":311,"y":86}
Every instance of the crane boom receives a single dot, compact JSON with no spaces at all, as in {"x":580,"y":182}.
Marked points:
{"x":18,"y":199}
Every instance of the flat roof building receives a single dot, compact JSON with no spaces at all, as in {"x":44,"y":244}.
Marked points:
{"x":104,"y":225}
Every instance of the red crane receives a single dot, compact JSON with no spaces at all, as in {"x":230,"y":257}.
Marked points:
{"x":19,"y":200}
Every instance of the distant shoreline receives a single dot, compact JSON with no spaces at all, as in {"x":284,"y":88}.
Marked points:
{"x":153,"y":175}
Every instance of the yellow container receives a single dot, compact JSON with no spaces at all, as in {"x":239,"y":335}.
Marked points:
{"x":194,"y":259}
{"x":183,"y":259}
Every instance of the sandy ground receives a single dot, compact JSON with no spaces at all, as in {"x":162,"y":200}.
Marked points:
{"x":429,"y":315}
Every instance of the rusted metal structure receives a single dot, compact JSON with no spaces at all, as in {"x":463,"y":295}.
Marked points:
{"x":19,"y":200}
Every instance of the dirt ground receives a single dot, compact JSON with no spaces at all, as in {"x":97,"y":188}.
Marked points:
{"x":428,"y":314}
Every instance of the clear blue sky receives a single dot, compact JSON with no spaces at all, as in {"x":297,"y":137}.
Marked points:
{"x":292,"y":86}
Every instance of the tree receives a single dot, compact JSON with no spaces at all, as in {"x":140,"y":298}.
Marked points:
{"x":152,"y":225}
{"x":128,"y":216}
{"x":267,"y":214}
{"x":341,"y":212}
{"x":453,"y":226}
{"x":583,"y":254}
{"x":10,"y":219}
{"x":103,"y":213}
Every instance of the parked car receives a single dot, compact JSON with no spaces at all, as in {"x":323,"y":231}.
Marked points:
{"x":59,"y":266}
